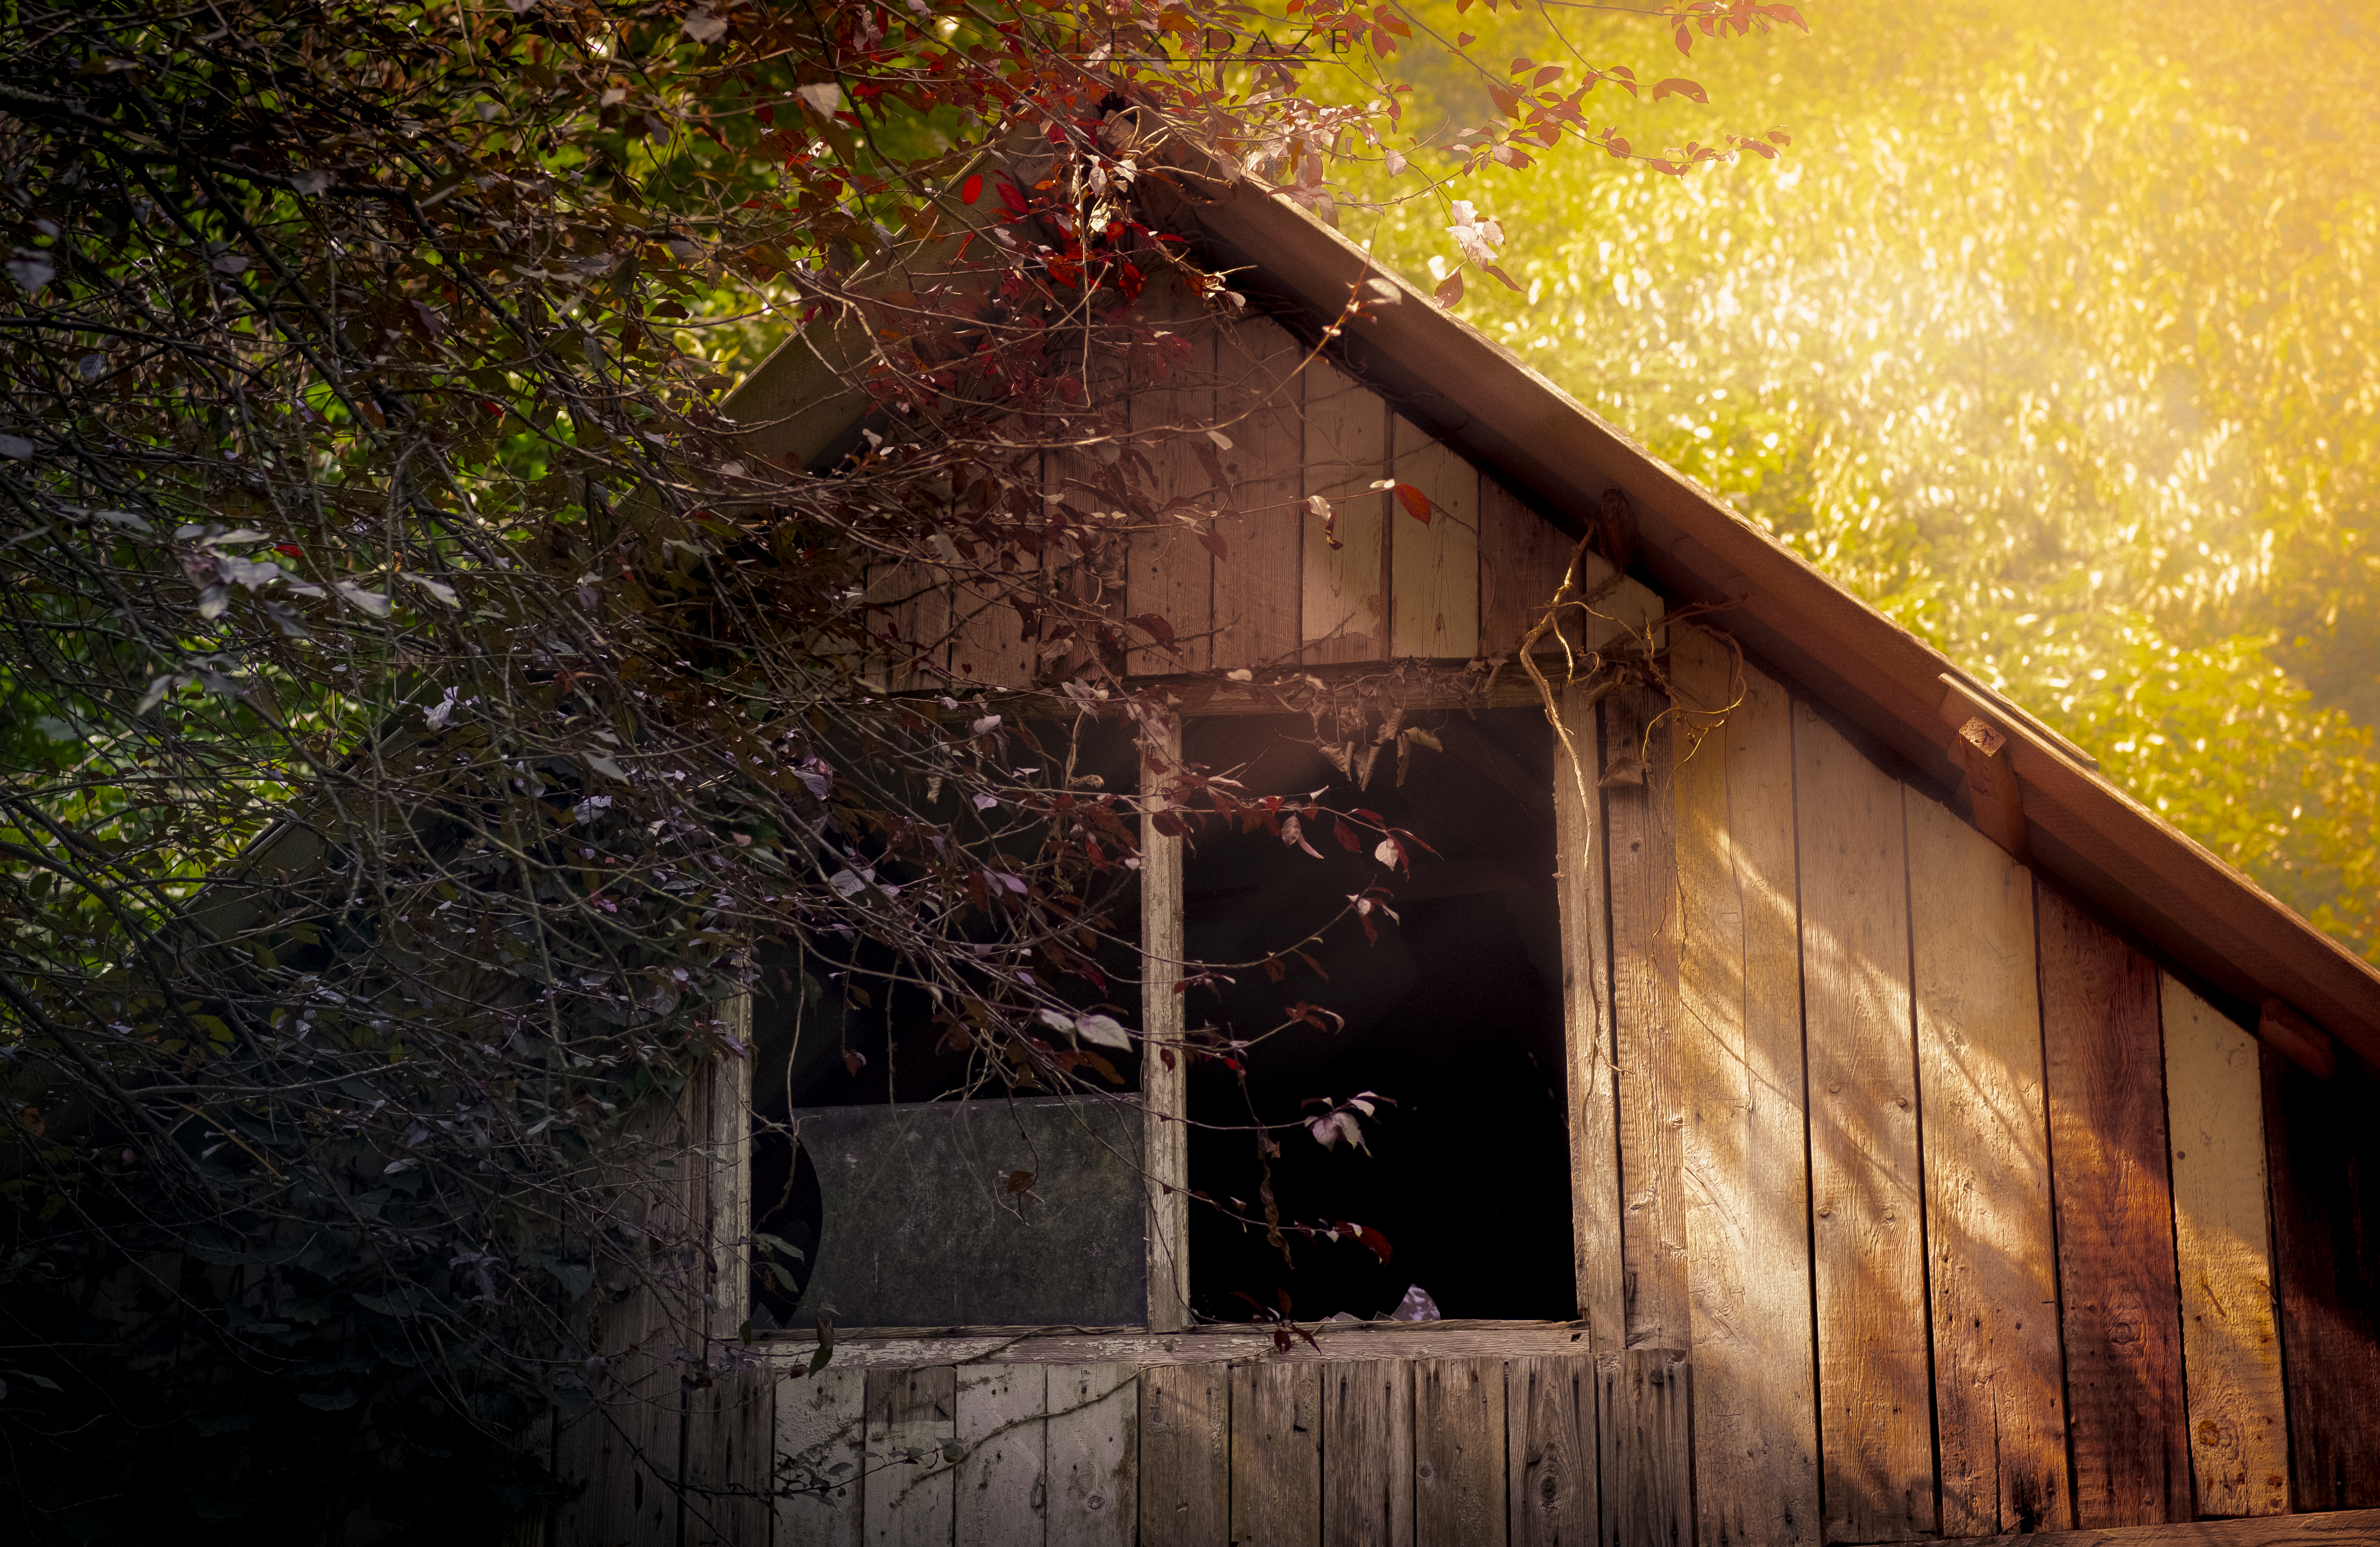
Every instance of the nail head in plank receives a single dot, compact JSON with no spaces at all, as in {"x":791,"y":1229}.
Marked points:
{"x":821,"y":1427}
{"x":2122,"y":1304}
{"x":1739,"y":1055}
{"x":1186,"y":1480}
{"x":1459,"y":1462}
{"x":1276,"y":1454}
{"x":1999,"y":1401}
{"x":1368,"y":1450}
{"x":1002,"y":1434}
{"x":1550,"y":1439}
{"x":2230,"y":1345}
{"x":1094,"y":1455}
{"x":909,"y":1495}
{"x":1874,"y":1387}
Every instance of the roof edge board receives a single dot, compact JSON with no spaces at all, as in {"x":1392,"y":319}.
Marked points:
{"x":1696,"y":549}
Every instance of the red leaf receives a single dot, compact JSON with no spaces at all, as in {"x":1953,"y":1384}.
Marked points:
{"x":1498,"y":274}
{"x":1449,"y":291}
{"x":1677,"y":87}
{"x":1212,"y":540}
{"x":1018,"y":1181}
{"x":853,"y":1061}
{"x":1416,"y":504}
{"x":1686,"y":40}
{"x":1507,"y":102}
{"x":1369,"y":1237}
{"x":1346,"y":836}
{"x":1617,"y":146}
{"x":1786,"y":13}
{"x":1155,"y":628}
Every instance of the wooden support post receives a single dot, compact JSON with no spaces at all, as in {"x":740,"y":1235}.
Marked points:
{"x":1164,"y":1070}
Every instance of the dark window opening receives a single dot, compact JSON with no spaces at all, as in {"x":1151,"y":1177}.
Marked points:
{"x":895,"y":1203}
{"x":1456,"y":1013}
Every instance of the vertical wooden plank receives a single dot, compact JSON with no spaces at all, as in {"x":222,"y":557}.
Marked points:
{"x":1433,"y":565}
{"x":728,"y":1420}
{"x":1343,"y":605}
{"x":1549,"y":1435}
{"x":1645,"y":1410}
{"x":2107,"y":1149}
{"x":1874,"y":1387}
{"x":1459,"y":1453}
{"x":1640,"y":806}
{"x":1002,"y":1436}
{"x":1162,"y":1083}
{"x":1185,"y":1482}
{"x":1999,"y":1399}
{"x":1747,"y":1213}
{"x":1256,"y":582}
{"x":1522,"y":558}
{"x":1094,"y":1455}
{"x":1170,"y":572}
{"x":1367,"y":1453}
{"x":1277,"y":1454}
{"x":2324,"y":1148}
{"x":988,"y":643}
{"x":1581,"y":840}
{"x":909,"y":1498}
{"x":2230,"y":1348}
{"x":821,"y":1426}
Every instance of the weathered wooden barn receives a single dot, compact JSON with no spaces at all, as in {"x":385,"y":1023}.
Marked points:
{"x":1933,"y":1144}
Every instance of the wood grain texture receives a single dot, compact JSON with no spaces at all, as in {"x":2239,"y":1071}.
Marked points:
{"x":1459,"y":1453}
{"x":1874,"y":1385}
{"x":1640,"y":815}
{"x":821,"y":1427}
{"x":728,"y":1420}
{"x":2105,"y":1079}
{"x":1367,"y":1450}
{"x":1433,"y":565}
{"x":1094,"y":1455}
{"x":1002,"y":1433}
{"x":2231,"y":1343}
{"x":1210,"y":1344}
{"x":1186,"y":1480}
{"x":2000,"y":1399}
{"x":988,"y":643}
{"x":1344,"y":595}
{"x":1162,"y":1083}
{"x":1167,"y":571}
{"x":1550,"y":1444}
{"x":1256,"y":582}
{"x":2322,"y":1146}
{"x":1276,"y":1454}
{"x":1521,"y":558}
{"x":2358,"y":1527}
{"x":1584,"y":895}
{"x":909,"y":1497}
{"x":1645,"y":1409}
{"x":1739,"y":1056}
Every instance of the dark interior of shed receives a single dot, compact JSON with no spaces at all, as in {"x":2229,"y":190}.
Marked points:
{"x":1454,"y":1013}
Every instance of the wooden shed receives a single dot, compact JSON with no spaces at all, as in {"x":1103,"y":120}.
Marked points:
{"x":1953,"y":1149}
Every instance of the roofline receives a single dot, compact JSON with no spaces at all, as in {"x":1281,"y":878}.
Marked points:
{"x":2213,"y":922}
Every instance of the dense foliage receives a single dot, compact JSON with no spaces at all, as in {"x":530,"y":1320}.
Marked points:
{"x":2053,"y":340}
{"x":419,"y":698}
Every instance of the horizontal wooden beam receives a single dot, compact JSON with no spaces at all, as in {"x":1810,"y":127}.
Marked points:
{"x":2336,"y":1528}
{"x":896,"y":1347}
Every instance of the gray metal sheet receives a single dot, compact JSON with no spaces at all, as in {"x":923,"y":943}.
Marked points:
{"x":920,"y":1229}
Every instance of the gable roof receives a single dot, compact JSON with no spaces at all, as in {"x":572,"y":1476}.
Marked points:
{"x":2242,"y":944}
